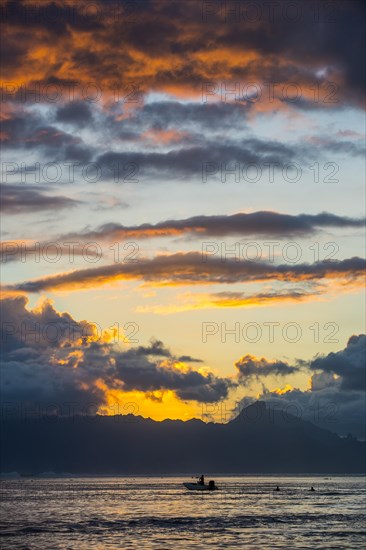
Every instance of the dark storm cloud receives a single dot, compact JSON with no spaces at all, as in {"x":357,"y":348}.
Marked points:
{"x":189,"y":268}
{"x":38,"y":329}
{"x":264,"y":224}
{"x":174,"y":45}
{"x":25,"y":199}
{"x":349,"y":364}
{"x":48,"y":357}
{"x":138,"y":373}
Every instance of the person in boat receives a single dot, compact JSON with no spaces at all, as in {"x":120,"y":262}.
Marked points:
{"x":201,"y":480}
{"x":277,"y":488}
{"x":312,"y":489}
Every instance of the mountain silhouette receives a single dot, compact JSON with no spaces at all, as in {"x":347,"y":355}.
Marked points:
{"x":258,"y":440}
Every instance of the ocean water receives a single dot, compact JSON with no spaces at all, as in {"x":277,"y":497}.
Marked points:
{"x":88,"y":513}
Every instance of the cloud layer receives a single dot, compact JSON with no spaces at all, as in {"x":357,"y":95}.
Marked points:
{"x":335,"y":398}
{"x":49,"y":358}
{"x":191,"y":269}
{"x":261,"y":224}
{"x":170,"y":46}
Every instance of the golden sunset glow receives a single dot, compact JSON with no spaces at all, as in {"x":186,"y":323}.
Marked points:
{"x":182,"y":202}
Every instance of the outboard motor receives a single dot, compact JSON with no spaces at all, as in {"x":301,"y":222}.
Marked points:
{"x":211,"y":485}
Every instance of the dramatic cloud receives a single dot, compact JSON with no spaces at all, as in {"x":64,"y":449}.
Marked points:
{"x":76,"y":89}
{"x":170,"y":46}
{"x":40,"y":328}
{"x":192,"y":268}
{"x":183,"y":98}
{"x":48,"y":357}
{"x":138,"y":373}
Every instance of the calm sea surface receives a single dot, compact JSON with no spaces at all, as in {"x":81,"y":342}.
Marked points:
{"x":157,"y":513}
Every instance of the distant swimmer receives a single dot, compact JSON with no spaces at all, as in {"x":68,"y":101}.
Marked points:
{"x":277,"y":488}
{"x":312,"y":489}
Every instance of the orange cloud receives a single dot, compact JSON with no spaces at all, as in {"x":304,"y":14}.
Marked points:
{"x":82,"y":42}
{"x":189,"y":301}
{"x":164,"y":136}
{"x":191,"y":269}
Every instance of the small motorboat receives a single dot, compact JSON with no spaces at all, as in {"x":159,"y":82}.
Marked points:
{"x":201,"y":486}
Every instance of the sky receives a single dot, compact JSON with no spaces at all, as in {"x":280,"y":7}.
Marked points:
{"x":182,"y":193}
